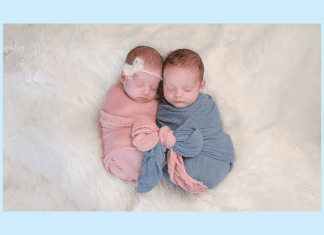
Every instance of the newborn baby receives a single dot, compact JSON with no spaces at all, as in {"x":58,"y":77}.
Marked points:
{"x":209,"y":155}
{"x":132,"y":102}
{"x":200,"y":154}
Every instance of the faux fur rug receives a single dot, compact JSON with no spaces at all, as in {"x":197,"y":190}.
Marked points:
{"x":265,"y":80}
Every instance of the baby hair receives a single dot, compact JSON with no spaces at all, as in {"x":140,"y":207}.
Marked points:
{"x":185,"y":58}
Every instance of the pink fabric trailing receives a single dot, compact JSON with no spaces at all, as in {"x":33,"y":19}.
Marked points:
{"x":122,"y":119}
{"x":176,"y":168}
{"x":179,"y":176}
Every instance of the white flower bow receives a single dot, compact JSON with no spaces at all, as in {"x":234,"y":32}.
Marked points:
{"x":137,"y":66}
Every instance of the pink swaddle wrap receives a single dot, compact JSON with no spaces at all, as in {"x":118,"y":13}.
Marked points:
{"x":118,"y":117}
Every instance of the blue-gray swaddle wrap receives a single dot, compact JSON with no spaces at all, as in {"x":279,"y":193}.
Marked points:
{"x":198,"y":131}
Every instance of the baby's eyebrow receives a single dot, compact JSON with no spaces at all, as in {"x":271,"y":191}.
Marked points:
{"x":185,"y":86}
{"x":139,"y":81}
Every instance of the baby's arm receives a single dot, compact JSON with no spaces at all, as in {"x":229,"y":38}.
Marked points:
{"x":145,"y":133}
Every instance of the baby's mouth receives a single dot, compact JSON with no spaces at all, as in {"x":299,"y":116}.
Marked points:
{"x":142,"y":99}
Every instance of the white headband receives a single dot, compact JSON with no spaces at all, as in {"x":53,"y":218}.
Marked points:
{"x":137,"y":66}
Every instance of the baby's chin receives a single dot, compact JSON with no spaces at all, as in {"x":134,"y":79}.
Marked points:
{"x":142,"y":100}
{"x":179,"y":105}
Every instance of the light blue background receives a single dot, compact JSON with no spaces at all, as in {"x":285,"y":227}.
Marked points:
{"x":159,"y":222}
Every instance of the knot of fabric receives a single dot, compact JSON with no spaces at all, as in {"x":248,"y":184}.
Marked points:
{"x":145,"y":134}
{"x":189,"y":142}
{"x":167,"y":137}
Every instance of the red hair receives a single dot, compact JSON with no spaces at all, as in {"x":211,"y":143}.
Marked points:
{"x":185,"y":58}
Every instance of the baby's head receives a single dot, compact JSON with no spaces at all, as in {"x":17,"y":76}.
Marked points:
{"x":142,"y":74}
{"x":183,"y":72}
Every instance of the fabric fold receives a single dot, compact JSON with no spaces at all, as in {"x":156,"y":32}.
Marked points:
{"x":189,"y":142}
{"x":120,"y":157}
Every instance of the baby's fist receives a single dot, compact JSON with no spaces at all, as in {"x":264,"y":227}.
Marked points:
{"x":167,"y":137}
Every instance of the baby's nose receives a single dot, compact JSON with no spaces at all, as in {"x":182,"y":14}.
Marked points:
{"x":146,"y":90}
{"x":178,"y":93}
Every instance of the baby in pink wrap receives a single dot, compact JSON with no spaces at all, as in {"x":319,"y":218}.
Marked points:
{"x":130,"y":107}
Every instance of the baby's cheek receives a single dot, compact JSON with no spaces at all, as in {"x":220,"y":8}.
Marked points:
{"x":167,"y":95}
{"x":134,"y":93}
{"x":154,"y":92}
{"x":193,"y":97}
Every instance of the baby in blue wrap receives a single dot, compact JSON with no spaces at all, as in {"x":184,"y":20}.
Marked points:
{"x":195,"y":130}
{"x":183,"y":83}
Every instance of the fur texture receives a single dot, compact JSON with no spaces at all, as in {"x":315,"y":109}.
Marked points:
{"x":265,"y":80}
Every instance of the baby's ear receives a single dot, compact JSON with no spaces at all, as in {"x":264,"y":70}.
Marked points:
{"x":122,"y":77}
{"x":159,"y":92}
{"x":202,"y":86}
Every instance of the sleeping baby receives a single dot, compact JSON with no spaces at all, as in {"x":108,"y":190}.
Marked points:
{"x":199,"y":154}
{"x":128,"y":116}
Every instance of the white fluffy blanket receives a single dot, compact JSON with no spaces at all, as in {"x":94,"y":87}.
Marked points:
{"x":265,"y":80}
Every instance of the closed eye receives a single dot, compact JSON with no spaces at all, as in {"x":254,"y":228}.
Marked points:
{"x":139,"y":84}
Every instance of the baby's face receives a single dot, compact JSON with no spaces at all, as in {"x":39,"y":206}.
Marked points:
{"x":142,"y":87}
{"x":181,"y":86}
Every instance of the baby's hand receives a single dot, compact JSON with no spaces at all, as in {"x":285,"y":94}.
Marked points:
{"x":169,"y":140}
{"x":166,"y":137}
